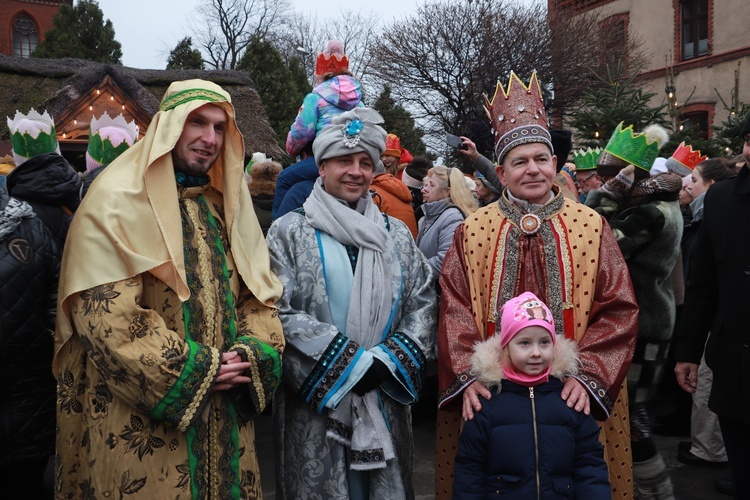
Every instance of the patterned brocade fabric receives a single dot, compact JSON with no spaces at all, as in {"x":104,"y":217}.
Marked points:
{"x":572,"y":263}
{"x":136,"y":410}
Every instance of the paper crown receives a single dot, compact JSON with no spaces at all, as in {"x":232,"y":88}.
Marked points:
{"x":332,"y":60}
{"x":518,"y":115}
{"x":586,"y":159}
{"x":684,"y":159}
{"x":625,"y":147}
{"x":109,"y":138}
{"x":32,"y":135}
{"x":392,"y":146}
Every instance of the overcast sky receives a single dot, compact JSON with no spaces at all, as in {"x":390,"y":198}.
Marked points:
{"x":149,"y":29}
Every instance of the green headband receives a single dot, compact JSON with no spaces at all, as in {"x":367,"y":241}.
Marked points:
{"x":188,"y":95}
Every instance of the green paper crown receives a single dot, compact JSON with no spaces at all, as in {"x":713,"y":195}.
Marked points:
{"x":27,"y":146}
{"x":632,"y":148}
{"x":103,"y":151}
{"x":586,"y":159}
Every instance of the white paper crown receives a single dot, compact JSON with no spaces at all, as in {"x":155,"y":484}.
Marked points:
{"x":48,"y":124}
{"x":119,"y":121}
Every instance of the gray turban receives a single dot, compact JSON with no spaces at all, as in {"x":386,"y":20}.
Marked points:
{"x":351,"y":132}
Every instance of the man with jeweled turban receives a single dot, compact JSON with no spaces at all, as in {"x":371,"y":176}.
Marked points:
{"x":168,"y":341}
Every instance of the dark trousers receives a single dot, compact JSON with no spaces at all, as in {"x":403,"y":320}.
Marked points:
{"x":23,"y":481}
{"x":737,"y":443}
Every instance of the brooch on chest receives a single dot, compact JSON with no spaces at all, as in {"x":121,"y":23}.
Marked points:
{"x":530,"y":224}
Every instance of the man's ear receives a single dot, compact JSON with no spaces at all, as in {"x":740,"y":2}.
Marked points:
{"x":321,"y":168}
{"x":500,"y":171}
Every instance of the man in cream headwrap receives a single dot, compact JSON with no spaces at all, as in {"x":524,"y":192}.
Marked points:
{"x":167,"y":341}
{"x":358,"y":312}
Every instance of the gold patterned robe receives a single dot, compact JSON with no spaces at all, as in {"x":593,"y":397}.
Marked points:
{"x":136,"y":411}
{"x":574,"y":265}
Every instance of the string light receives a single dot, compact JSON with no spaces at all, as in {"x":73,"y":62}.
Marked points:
{"x":91,"y":107}
{"x":98,"y":91}
{"x":596,"y":134}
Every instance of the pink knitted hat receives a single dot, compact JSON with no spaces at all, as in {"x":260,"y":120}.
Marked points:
{"x":521,"y":312}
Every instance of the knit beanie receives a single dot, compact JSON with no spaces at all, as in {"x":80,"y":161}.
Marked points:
{"x":518,"y":313}
{"x":521,"y":312}
{"x":32,"y":135}
{"x":108,"y":139}
{"x":354,"y":131}
{"x":263,"y":177}
{"x":257,"y":157}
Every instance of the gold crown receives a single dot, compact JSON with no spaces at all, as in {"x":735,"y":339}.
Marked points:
{"x":517,"y":115}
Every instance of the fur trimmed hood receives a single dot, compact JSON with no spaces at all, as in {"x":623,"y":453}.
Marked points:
{"x":487,"y":362}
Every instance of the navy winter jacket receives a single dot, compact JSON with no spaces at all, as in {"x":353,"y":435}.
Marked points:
{"x":519,"y":447}
{"x":293,"y":186}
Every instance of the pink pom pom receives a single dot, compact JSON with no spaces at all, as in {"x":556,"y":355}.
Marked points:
{"x":334,"y":47}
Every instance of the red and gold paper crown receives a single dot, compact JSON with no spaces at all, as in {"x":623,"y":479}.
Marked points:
{"x":517,"y":115}
{"x":332,"y":60}
{"x":684,"y":159}
{"x":392,"y":146}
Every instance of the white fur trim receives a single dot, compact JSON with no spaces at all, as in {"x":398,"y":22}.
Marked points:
{"x":487,"y":364}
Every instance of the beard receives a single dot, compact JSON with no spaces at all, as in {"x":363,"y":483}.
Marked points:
{"x":194,"y":167}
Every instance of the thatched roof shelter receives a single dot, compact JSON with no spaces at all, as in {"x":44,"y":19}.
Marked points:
{"x":72,"y":90}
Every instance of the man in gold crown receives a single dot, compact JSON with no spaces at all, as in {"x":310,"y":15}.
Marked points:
{"x":167,"y":340}
{"x":533,"y":239}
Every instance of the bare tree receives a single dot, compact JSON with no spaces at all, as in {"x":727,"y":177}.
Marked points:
{"x":443,"y":59}
{"x":358,"y":32}
{"x":224,"y":28}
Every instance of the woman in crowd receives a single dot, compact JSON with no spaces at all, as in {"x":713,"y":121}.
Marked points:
{"x":447,"y":202}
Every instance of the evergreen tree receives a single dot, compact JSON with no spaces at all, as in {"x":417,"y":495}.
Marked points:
{"x":727,"y":138}
{"x":281,"y":86}
{"x":399,"y":121}
{"x":617,"y":98}
{"x":81,"y":32}
{"x":184,"y":56}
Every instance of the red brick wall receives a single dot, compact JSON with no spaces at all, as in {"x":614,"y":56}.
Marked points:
{"x":39,"y":10}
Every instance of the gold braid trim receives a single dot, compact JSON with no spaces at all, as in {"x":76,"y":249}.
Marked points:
{"x":205,"y":385}
{"x":565,"y":257}
{"x":254,"y":375}
{"x":203,"y":271}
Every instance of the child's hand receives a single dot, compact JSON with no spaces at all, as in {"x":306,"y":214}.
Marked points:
{"x":471,"y":399}
{"x":575,"y":396}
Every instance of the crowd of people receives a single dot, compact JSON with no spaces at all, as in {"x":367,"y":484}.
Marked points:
{"x":157,"y":302}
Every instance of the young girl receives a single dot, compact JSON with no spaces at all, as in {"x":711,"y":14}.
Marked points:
{"x":526,"y":442}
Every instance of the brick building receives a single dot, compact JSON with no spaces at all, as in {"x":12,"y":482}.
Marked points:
{"x":24,"y":22}
{"x":699,"y":52}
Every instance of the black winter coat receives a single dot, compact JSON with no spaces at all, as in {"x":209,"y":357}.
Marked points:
{"x":717,"y":296}
{"x":500,"y":448}
{"x":29,"y":270}
{"x":52,"y":187}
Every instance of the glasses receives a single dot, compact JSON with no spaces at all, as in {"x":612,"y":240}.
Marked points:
{"x":589,"y":177}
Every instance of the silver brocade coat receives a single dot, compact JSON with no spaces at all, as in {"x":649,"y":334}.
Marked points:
{"x":308,"y":464}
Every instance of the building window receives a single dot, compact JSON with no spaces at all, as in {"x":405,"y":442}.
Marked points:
{"x":25,"y":37}
{"x":698,"y":118}
{"x":615,"y":34}
{"x":694,"y":28}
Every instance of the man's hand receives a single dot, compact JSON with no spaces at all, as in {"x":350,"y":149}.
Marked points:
{"x":687,"y":376}
{"x":471,"y":399}
{"x":230,"y":372}
{"x":471,"y":149}
{"x":576,"y":396}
